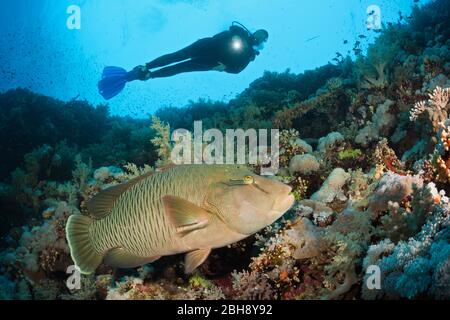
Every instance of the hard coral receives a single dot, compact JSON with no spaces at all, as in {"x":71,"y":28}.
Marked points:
{"x":436,"y":108}
{"x":304,"y":164}
{"x":332,"y":187}
{"x":442,"y":154}
{"x":410,"y":268}
{"x":382,"y":123}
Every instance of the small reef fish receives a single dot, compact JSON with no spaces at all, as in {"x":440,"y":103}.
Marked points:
{"x":186,"y":208}
{"x":311,"y":39}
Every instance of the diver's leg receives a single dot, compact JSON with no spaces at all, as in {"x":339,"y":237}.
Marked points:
{"x":183,"y":54}
{"x":186,"y":66}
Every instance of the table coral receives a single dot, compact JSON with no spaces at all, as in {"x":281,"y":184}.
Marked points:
{"x":364,"y":146}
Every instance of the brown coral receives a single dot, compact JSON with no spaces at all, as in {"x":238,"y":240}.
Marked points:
{"x":386,"y":157}
{"x":52,"y":259}
{"x":442,"y":157}
{"x":436,"y":108}
{"x":443,"y":168}
{"x":284,"y":119}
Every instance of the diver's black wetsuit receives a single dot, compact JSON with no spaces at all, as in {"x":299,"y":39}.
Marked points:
{"x":209,"y":53}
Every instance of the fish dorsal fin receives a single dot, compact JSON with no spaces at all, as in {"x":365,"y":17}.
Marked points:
{"x":102,"y":203}
{"x":185,"y":215}
{"x":195,"y":258}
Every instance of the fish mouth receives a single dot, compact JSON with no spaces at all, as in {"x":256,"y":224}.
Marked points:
{"x":281,"y":206}
{"x":283,"y":202}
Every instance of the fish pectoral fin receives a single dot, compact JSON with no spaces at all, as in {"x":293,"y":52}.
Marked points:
{"x":195,"y":258}
{"x":185,"y":215}
{"x":102,"y":203}
{"x":119,"y":258}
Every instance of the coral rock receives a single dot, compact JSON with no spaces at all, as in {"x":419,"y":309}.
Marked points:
{"x":330,"y":140}
{"x":304,"y":164}
{"x":332,"y":187}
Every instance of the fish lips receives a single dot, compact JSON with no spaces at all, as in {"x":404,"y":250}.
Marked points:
{"x":283,"y":202}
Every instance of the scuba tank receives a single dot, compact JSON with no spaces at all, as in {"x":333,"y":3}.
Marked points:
{"x":243,"y":27}
{"x":234,"y":23}
{"x":250,"y":34}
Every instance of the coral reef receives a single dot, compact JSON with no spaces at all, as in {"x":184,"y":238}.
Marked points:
{"x":304,"y":164}
{"x":364,"y":144}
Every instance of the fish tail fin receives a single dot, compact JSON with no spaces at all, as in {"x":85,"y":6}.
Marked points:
{"x":81,"y":249}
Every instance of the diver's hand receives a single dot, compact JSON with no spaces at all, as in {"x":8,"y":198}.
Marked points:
{"x":139,"y":73}
{"x":220,"y":67}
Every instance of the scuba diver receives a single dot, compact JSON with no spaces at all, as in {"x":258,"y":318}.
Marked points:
{"x":229,"y":51}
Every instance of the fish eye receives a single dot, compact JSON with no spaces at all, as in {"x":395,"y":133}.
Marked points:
{"x":248,"y":180}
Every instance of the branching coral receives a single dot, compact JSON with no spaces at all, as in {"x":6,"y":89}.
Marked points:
{"x":81,"y":173}
{"x":417,"y":110}
{"x":377,"y":80}
{"x":410,"y":268}
{"x":299,"y":186}
{"x":134,"y":171}
{"x":132,"y":288}
{"x":385,"y":158}
{"x":162,"y":142}
{"x":276,"y":274}
{"x":404,"y":220}
{"x":304,"y":261}
{"x":391,"y":187}
{"x":251,"y":286}
{"x":348,"y":237}
{"x":436,"y":108}
{"x":359,"y":185}
{"x":290,"y":146}
{"x":442,"y":154}
{"x":284,"y":119}
{"x":358,"y":205}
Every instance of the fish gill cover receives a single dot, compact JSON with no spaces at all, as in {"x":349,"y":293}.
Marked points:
{"x":364,"y":144}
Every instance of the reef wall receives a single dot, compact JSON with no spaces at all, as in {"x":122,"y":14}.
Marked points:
{"x":364,"y":144}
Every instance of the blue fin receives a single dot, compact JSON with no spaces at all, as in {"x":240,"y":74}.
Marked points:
{"x":113,"y":81}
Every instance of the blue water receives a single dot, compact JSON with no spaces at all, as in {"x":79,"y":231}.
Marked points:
{"x":39,"y":52}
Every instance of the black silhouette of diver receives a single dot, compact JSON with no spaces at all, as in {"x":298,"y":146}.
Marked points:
{"x":230,"y":51}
